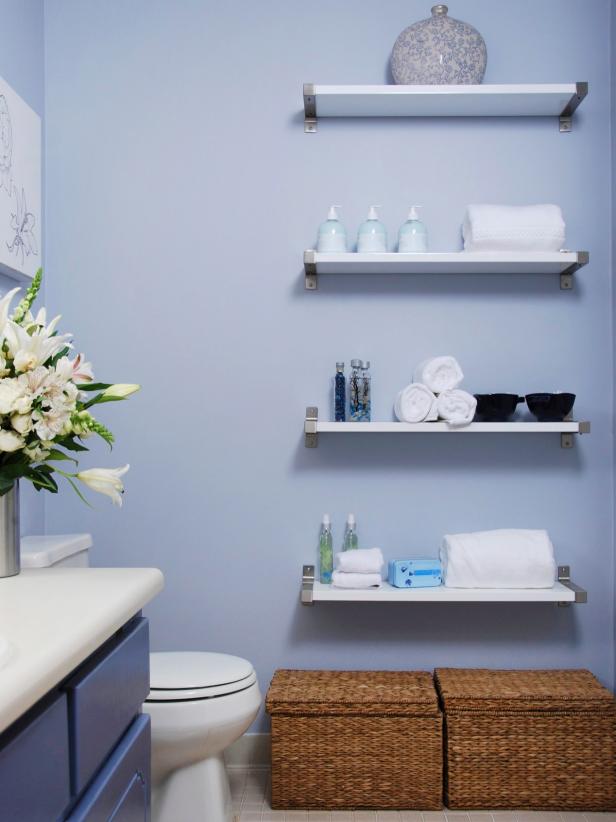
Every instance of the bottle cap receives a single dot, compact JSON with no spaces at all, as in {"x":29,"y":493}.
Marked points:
{"x":332,"y":214}
{"x":414,"y":213}
{"x":351,"y":520}
{"x":366,"y":365}
{"x":355,"y":363}
{"x":340,"y":366}
{"x":373,"y":213}
{"x":326,"y":519}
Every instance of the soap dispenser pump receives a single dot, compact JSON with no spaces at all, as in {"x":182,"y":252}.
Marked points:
{"x":372,"y":236}
{"x":332,"y":238}
{"x":413,"y":237}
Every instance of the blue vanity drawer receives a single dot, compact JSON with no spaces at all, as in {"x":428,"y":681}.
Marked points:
{"x":103,"y":698}
{"x":34,"y":766}
{"x":121,"y":791}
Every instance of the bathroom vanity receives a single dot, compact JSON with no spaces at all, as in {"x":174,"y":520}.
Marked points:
{"x":74,"y":672}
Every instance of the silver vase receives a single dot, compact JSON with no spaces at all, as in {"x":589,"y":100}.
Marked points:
{"x":9,"y":533}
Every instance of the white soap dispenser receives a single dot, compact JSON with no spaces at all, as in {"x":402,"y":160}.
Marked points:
{"x":372,"y":236}
{"x":332,"y":238}
{"x":413,"y":237}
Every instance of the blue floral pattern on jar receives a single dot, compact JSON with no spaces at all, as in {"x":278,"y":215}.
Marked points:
{"x":439,"y":51}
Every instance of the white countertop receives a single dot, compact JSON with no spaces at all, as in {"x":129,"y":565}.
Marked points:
{"x":52,"y":619}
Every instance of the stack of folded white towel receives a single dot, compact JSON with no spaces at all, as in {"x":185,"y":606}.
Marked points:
{"x":513,"y":228}
{"x":507,"y":558}
{"x":434,"y":393}
{"x":358,"y":568}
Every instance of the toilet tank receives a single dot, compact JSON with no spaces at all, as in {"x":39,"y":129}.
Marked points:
{"x":56,"y":551}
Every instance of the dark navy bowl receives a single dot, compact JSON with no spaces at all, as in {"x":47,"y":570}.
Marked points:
{"x":550,"y":407}
{"x":496,"y":407}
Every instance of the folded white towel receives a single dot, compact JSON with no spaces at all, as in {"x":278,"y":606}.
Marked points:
{"x":456,"y":407}
{"x":439,"y":374}
{"x":342,"y":580}
{"x":360,"y":561}
{"x":513,"y":228}
{"x":507,"y":558}
{"x":415,"y":403}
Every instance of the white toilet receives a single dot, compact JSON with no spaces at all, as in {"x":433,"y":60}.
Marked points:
{"x":199,"y":704}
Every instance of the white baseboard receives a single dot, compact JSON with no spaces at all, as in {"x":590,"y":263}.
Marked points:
{"x":250,"y":751}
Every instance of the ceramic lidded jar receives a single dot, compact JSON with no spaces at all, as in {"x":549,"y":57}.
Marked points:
{"x":439,"y":51}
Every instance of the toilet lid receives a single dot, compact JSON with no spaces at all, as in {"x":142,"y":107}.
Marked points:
{"x":197,"y":675}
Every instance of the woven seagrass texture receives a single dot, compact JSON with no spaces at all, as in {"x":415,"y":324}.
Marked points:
{"x":352,"y":692}
{"x":357,"y":762}
{"x":536,"y":751}
{"x":475,"y":689}
{"x":355,"y":739}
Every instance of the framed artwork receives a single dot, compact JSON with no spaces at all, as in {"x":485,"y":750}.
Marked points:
{"x":20,"y":186}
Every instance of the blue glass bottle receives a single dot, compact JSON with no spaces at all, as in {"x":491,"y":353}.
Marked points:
{"x":354,"y":392}
{"x":365,"y":392}
{"x":326,"y":551}
{"x":339,"y":393}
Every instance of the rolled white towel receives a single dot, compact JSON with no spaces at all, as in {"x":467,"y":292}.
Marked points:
{"x":340,"y":579}
{"x":415,"y":403}
{"x":506,"y":558}
{"x":360,"y":561}
{"x":513,"y":228}
{"x":456,"y":407}
{"x":439,"y":374}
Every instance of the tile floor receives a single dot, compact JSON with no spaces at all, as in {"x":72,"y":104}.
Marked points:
{"x":250,"y":794}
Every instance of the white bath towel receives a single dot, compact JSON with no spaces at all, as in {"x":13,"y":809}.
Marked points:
{"x":415,"y":403}
{"x":342,"y":580}
{"x":439,"y":374}
{"x":360,"y":561}
{"x":513,"y":228}
{"x":508,"y":558}
{"x":456,"y":407}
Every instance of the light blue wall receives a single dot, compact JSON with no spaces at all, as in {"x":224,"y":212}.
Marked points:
{"x":181,"y":194}
{"x":21,"y":65}
{"x":613,"y":214}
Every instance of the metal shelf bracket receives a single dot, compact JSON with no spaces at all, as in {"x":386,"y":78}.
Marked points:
{"x":310,"y":270}
{"x":311,"y":437}
{"x":566,"y":278}
{"x":564,"y":577}
{"x":310,"y":109}
{"x":307,"y":585}
{"x":567,"y":441}
{"x":565,"y":121}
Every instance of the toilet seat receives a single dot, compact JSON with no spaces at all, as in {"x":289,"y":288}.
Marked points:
{"x":187,"y":676}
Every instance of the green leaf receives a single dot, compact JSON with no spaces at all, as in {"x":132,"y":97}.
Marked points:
{"x":94,"y":386}
{"x":59,"y":456}
{"x":70,"y":444}
{"x":78,"y":492}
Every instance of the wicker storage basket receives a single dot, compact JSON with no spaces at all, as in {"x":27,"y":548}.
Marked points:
{"x":528,"y":739}
{"x":355,"y":739}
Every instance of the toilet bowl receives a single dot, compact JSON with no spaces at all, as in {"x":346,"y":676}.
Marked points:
{"x":199,"y":703}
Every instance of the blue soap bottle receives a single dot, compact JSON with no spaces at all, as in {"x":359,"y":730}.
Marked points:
{"x":332,"y":237}
{"x":372,"y":236}
{"x":413,"y":237}
{"x":326,"y":551}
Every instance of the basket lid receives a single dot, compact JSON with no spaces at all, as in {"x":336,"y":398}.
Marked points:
{"x":352,"y":692}
{"x":560,"y":691}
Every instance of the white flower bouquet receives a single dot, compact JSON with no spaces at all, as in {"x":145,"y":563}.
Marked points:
{"x":45,"y":402}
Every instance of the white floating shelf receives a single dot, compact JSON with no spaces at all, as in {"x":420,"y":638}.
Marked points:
{"x":313,"y":427}
{"x":491,"y":100}
{"x":563,"y":592}
{"x":563,"y":263}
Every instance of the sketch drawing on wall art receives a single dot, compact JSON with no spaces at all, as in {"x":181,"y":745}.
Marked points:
{"x":20,"y":185}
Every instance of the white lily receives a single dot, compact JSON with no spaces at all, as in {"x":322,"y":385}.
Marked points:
{"x":121,"y":390}
{"x":82,"y":370}
{"x":5,"y":306}
{"x":105,"y":481}
{"x":10,"y":393}
{"x":31,"y":350}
